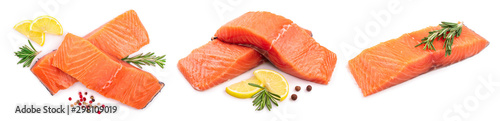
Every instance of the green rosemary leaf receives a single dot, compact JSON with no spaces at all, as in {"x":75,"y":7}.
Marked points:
{"x":26,"y":54}
{"x":148,"y":59}
{"x":256,"y":85}
{"x":264,"y":98}
{"x":449,"y":31}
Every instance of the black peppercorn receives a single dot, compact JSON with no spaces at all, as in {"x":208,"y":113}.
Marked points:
{"x":309,"y":88}
{"x":294,"y":97}
{"x":297,"y":88}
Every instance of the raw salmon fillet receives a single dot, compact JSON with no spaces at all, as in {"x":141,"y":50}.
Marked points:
{"x":105,"y":74}
{"x":217,"y":62}
{"x":289,"y":47}
{"x":121,"y":36}
{"x":53,"y":78}
{"x":398,"y":60}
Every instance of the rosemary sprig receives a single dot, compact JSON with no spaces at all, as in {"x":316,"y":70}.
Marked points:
{"x":26,"y":54}
{"x":264,"y":98}
{"x":148,"y":59}
{"x":448,"y":32}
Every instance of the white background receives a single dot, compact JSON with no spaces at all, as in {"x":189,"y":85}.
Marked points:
{"x":177,"y":27}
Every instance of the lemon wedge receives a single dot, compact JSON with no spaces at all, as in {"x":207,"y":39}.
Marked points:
{"x":243,"y":90}
{"x":23,"y":27}
{"x":273,"y":81}
{"x":47,"y":24}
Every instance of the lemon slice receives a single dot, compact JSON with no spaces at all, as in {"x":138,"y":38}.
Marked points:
{"x":23,"y":27}
{"x":273,"y":81}
{"x":47,"y":24}
{"x":243,"y":90}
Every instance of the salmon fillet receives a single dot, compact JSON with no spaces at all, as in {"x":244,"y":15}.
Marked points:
{"x":107,"y":75}
{"x":217,"y":62}
{"x":289,"y":47}
{"x":398,"y":60}
{"x":121,"y":36}
{"x":53,"y":78}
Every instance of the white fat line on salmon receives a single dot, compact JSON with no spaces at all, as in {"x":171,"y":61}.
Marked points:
{"x":372,"y":28}
{"x":282,"y":32}
{"x":108,"y":83}
{"x":483,"y":91}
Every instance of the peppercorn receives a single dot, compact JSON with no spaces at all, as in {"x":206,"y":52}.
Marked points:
{"x":297,"y":88}
{"x":294,"y":97}
{"x":309,"y":88}
{"x":85,"y":93}
{"x":69,"y":98}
